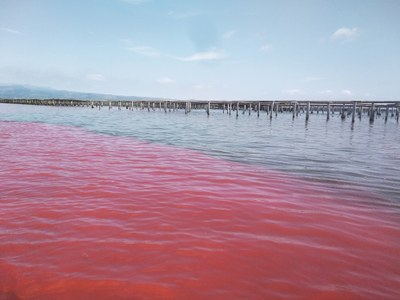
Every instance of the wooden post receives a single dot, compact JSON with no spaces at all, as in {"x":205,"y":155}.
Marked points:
{"x":353,"y":112}
{"x":294,"y":110}
{"x":343,"y":115}
{"x":308,"y":111}
{"x":328,"y":111}
{"x":237,"y":109}
{"x":258,"y":110}
{"x":387,"y":113}
{"x":271,"y":110}
{"x":208,"y":108}
{"x":372,"y":113}
{"x":249,"y":109}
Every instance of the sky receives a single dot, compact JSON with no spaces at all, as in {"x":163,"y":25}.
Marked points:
{"x":205,"y":49}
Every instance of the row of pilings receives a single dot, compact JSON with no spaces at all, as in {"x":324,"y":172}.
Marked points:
{"x":346,"y":109}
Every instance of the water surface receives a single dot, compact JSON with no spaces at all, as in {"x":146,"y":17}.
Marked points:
{"x":137,"y":205}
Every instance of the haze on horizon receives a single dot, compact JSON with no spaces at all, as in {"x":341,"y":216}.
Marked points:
{"x":311,"y":49}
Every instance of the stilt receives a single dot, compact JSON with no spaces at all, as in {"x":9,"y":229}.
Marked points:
{"x":294,"y":111}
{"x":387,"y":113}
{"x":328,"y":112}
{"x":271,"y":110}
{"x":343,"y":115}
{"x":353,"y":112}
{"x":372,"y":113}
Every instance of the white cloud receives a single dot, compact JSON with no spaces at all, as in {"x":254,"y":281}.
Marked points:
{"x":183,"y":15}
{"x":126,"y":41}
{"x":95,"y":77}
{"x":345,"y":33}
{"x":200,"y":87}
{"x":145,"y":50}
{"x":135,"y":2}
{"x":229,"y":34}
{"x":165,"y":80}
{"x":347,"y":92}
{"x":11,"y":31}
{"x":265,"y":48}
{"x":293,"y":92}
{"x":204,"y":56}
{"x":312,"y":78}
{"x":325,"y":92}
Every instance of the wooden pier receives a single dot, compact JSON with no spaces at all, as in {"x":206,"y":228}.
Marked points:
{"x":346,"y":109}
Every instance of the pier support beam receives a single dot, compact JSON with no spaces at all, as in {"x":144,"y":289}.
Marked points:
{"x":271,"y":110}
{"x":343,"y":115}
{"x":294,"y":110}
{"x":372,"y":113}
{"x":353,"y":116}
{"x":328,"y":112}
{"x":387,"y":113}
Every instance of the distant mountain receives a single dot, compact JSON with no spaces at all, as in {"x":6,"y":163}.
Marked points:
{"x":15,"y":91}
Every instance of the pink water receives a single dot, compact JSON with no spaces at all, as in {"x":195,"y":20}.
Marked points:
{"x":89,"y":216}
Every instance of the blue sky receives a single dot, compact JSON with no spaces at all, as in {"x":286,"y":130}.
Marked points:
{"x":205,"y":49}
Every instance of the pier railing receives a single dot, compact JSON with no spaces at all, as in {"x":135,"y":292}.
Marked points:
{"x":351,"y":109}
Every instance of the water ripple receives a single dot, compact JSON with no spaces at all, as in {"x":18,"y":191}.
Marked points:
{"x":86,"y":215}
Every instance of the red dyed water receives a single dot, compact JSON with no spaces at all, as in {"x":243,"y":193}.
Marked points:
{"x":88,"y":216}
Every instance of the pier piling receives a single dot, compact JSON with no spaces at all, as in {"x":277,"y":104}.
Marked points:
{"x":375,"y":110}
{"x":308,"y":111}
{"x":372,"y":113}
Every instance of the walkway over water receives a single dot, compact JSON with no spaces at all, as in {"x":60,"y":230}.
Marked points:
{"x":372,"y":109}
